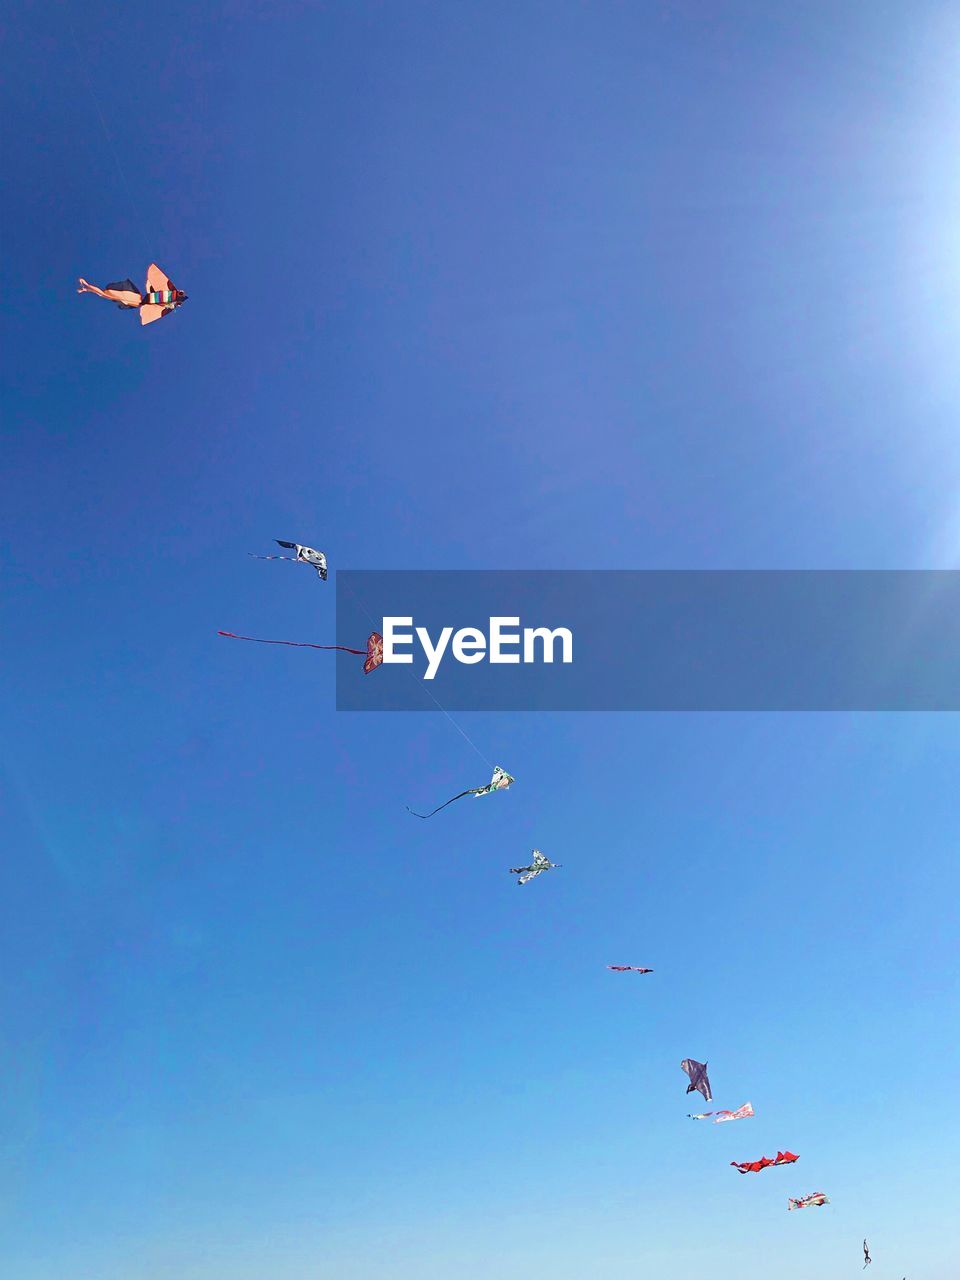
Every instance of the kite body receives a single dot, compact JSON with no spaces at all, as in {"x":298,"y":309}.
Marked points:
{"x":159,"y":297}
{"x":499,"y":782}
{"x":866,"y":1256}
{"x":754,"y":1166}
{"x":538,"y":864}
{"x":741,"y":1113}
{"x":627,"y":968}
{"x":374,"y":652}
{"x":805,"y":1202}
{"x":699,"y":1080}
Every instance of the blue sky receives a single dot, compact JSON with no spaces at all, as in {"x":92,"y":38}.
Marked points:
{"x":496,"y":286}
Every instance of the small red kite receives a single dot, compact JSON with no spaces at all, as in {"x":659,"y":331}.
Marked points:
{"x":754,"y":1166}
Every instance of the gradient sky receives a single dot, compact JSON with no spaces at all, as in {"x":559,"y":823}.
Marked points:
{"x":485,"y":285}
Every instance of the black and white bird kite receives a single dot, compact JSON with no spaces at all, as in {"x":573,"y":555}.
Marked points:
{"x":305,"y":555}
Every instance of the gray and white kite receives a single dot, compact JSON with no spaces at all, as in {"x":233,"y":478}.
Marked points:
{"x":539,"y":864}
{"x":305,"y":555}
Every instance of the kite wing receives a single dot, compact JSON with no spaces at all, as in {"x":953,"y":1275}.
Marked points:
{"x":785,"y":1157}
{"x":152,"y":312}
{"x":157,"y":281}
{"x":123,"y":286}
{"x":374,"y":652}
{"x":866,"y":1256}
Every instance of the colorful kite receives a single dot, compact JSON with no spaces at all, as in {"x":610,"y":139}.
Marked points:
{"x":499,"y":782}
{"x":697,"y":1071}
{"x":158,"y":299}
{"x":373,"y":652}
{"x":305,"y":555}
{"x":741,"y":1113}
{"x":539,"y":864}
{"x":817,"y":1198}
{"x":627,"y":968}
{"x":866,"y":1256}
{"x":754,"y":1166}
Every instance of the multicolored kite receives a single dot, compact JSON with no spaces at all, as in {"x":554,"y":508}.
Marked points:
{"x":539,"y":864}
{"x":305,"y":555}
{"x":697,"y":1071}
{"x":158,"y":299}
{"x":627,"y":968}
{"x":741,"y":1113}
{"x":499,"y":782}
{"x":866,"y":1256}
{"x":817,"y":1198}
{"x":754,"y":1166}
{"x":373,"y":652}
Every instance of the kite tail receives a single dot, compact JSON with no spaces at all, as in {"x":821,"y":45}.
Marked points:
{"x":471,"y":792}
{"x":295,"y":644}
{"x":253,"y":556}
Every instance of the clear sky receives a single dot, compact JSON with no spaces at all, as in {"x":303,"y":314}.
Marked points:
{"x":479,"y":285}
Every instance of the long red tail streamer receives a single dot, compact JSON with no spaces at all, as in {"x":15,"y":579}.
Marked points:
{"x":295,"y":644}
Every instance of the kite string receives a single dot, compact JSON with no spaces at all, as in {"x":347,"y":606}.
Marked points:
{"x":419,"y":683}
{"x":106,"y":132}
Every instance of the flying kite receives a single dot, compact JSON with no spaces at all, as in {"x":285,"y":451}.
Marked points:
{"x":499,"y":782}
{"x":697,"y":1071}
{"x":159,"y":298}
{"x":866,"y":1256}
{"x":305,"y":555}
{"x":817,"y":1198}
{"x":627,"y":968}
{"x":754,"y":1166}
{"x":373,"y":652}
{"x":741,"y":1113}
{"x":539,"y":864}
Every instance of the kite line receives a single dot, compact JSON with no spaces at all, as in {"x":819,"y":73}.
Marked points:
{"x":463,"y":733}
{"x":106,"y":132}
